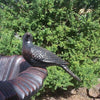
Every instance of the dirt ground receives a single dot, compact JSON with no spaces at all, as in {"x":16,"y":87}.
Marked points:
{"x":79,"y":94}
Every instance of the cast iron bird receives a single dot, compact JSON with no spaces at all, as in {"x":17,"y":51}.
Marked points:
{"x":38,"y":56}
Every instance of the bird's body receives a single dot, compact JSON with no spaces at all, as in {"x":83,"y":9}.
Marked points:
{"x":41,"y":57}
{"x":38,"y":56}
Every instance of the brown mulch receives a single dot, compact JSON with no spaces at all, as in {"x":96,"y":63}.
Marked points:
{"x":70,"y":94}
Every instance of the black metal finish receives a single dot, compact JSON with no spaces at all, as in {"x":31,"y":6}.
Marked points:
{"x":38,"y":56}
{"x":18,"y":79}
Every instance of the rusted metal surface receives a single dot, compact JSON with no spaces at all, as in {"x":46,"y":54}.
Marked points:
{"x":18,"y":79}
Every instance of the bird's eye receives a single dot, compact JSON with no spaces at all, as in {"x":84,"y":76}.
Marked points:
{"x":28,"y":36}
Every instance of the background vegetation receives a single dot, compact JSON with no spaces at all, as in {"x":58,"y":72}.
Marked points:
{"x":69,"y":28}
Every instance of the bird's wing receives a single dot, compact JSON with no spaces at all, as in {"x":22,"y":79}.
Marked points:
{"x":44,"y":55}
{"x":52,"y":58}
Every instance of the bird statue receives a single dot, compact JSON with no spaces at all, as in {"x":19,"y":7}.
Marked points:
{"x":18,"y":79}
{"x":38,"y":56}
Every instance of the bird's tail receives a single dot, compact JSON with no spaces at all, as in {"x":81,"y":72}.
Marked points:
{"x":70,"y":72}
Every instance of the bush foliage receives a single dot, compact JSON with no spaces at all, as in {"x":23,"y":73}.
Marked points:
{"x":69,"y":28}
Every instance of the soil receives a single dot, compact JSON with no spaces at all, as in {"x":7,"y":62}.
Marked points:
{"x":70,"y":94}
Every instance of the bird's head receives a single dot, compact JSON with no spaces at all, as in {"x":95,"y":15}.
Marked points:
{"x":27,"y":37}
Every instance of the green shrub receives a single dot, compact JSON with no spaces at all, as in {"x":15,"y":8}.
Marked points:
{"x":58,"y":26}
{"x":9,"y":44}
{"x":60,"y":79}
